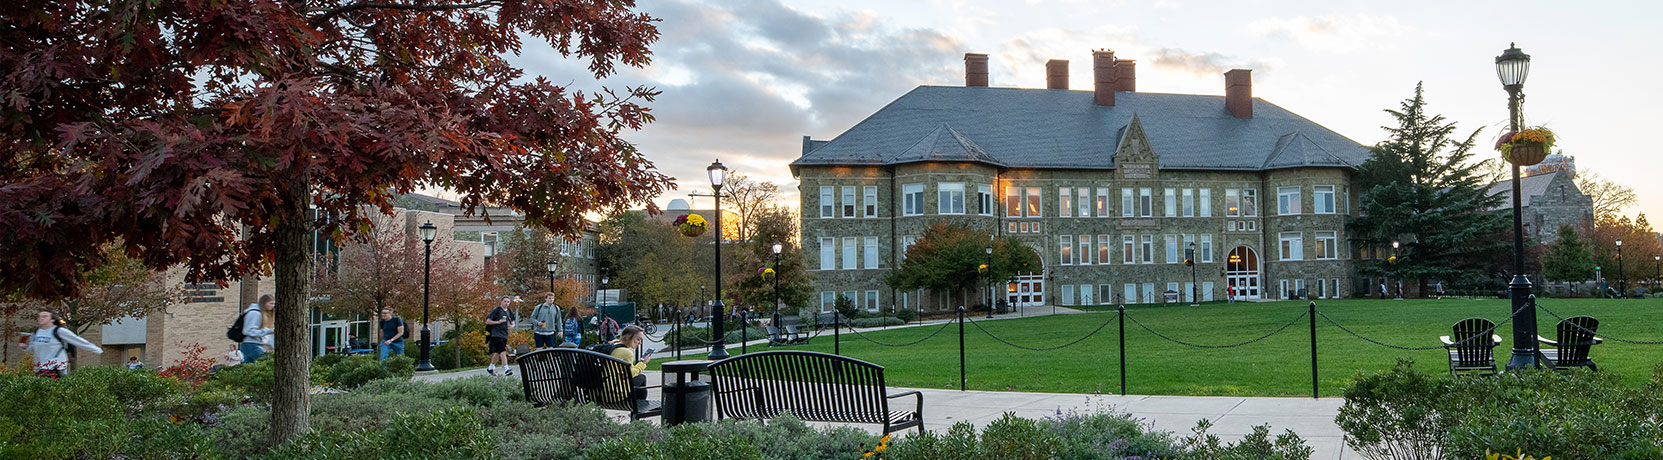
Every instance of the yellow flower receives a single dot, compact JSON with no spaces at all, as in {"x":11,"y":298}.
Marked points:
{"x":880,"y":448}
{"x":866,"y":455}
{"x":695,"y":220}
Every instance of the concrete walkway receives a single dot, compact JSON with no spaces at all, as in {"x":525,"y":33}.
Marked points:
{"x":1232,"y":417}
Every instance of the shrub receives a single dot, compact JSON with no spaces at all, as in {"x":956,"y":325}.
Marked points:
{"x":906,"y":315}
{"x":1019,"y":439}
{"x":788,"y":438}
{"x":444,"y":433}
{"x":877,"y":321}
{"x":194,"y":369}
{"x":1255,"y":446}
{"x":1107,"y":435}
{"x":473,"y":352}
{"x":354,"y":372}
{"x":401,"y":366}
{"x":1399,"y":410}
{"x":734,"y":336}
{"x":98,"y":412}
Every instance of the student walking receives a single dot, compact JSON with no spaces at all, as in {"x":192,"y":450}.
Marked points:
{"x":496,"y":339}
{"x":392,"y":333}
{"x":51,"y":345}
{"x":253,"y":336}
{"x":573,"y":327}
{"x":546,"y":324}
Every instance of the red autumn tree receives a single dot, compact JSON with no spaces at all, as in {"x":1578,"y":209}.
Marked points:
{"x":220,"y":135}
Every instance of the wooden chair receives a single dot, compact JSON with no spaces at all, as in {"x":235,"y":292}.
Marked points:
{"x":1470,"y":352}
{"x":1575,"y":336}
{"x":794,"y":335}
{"x":582,"y":376}
{"x":810,"y":386}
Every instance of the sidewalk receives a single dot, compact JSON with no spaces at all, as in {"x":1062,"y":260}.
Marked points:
{"x":1232,"y":417}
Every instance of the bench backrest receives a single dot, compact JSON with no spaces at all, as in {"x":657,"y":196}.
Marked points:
{"x":1473,"y":346}
{"x":811,"y":385}
{"x":1576,"y":334}
{"x":575,"y":375}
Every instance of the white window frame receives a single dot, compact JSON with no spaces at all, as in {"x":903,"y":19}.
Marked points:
{"x":828,"y":202}
{"x":869,"y":201}
{"x":871,"y":302}
{"x":1067,"y":295}
{"x":1232,"y":202}
{"x":984,"y":199}
{"x":1290,"y":246}
{"x":828,"y":253}
{"x":1327,"y":245}
{"x":1206,"y":248}
{"x":1103,"y":244}
{"x":1286,"y":293}
{"x":1086,"y":297}
{"x":1250,"y":202}
{"x":1102,"y":202}
{"x":1322,"y":199}
{"x":1146,"y":202}
{"x":1065,"y":204}
{"x":1206,"y":198}
{"x":1082,"y":202}
{"x":1186,"y":206}
{"x":1013,"y":201}
{"x":1147,"y":251}
{"x":1034,"y":202}
{"x":1130,"y":293}
{"x":949,"y":198}
{"x":1065,"y":249}
{"x":869,"y":260}
{"x":1128,"y":249}
{"x":828,"y":301}
{"x":912,"y":197}
{"x":850,"y":253}
{"x":1084,"y":249}
{"x":1128,"y":203}
{"x":1206,"y":291}
{"x":1189,"y":239}
{"x":848,"y":201}
{"x":1169,"y":201}
{"x":1287,"y":201}
{"x":1171,"y":243}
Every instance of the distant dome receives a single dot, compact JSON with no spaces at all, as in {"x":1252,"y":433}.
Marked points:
{"x":678,"y":204}
{"x":1554,"y":163}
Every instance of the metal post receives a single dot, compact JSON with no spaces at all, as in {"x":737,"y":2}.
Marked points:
{"x":1122,"y":349}
{"x":1622,"y":278}
{"x":1524,"y":319}
{"x":1313,"y":315}
{"x":744,"y":332}
{"x":426,"y":364}
{"x":962,"y":382}
{"x":837,"y":332}
{"x":678,"y":325}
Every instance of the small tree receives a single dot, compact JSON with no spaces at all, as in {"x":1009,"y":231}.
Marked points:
{"x":123,"y":288}
{"x":521,"y":267}
{"x":652,"y":260}
{"x":948,"y":257}
{"x":1569,"y":259}
{"x":777,"y":224}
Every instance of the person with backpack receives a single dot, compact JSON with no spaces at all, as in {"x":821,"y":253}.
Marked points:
{"x":54,"y":345}
{"x":545,"y":323}
{"x":608,"y":329}
{"x":246,"y":329}
{"x":496,"y":339}
{"x":627,"y":348}
{"x":573,"y":327}
{"x":392,"y":333}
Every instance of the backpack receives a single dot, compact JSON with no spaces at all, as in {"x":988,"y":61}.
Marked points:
{"x":71,"y":348}
{"x":235,"y":332}
{"x":589,"y":368}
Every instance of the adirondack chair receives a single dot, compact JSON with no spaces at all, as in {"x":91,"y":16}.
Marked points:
{"x":794,"y":335}
{"x":1575,"y":335}
{"x":777,"y":337}
{"x":1470,"y":352}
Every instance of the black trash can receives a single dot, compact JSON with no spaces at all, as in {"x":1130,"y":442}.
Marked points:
{"x":686,"y":402}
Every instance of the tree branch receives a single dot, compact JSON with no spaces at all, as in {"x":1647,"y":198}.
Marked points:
{"x":344,"y":9}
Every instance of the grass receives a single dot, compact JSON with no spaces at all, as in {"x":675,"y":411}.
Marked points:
{"x":1278,"y":366}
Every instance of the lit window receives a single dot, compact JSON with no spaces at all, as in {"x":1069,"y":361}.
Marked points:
{"x":1327,"y":243}
{"x":1065,"y":205}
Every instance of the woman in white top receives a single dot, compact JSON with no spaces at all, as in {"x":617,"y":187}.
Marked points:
{"x":50,"y":344}
{"x":255,"y":337}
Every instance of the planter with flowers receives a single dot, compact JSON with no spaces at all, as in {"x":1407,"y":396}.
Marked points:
{"x":1527,"y":147}
{"x":690,"y":224}
{"x":767,"y":273}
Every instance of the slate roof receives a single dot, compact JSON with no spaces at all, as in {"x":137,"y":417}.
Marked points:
{"x":1066,"y":129}
{"x":1529,"y":186}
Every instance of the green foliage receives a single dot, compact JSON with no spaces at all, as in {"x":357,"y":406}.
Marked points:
{"x":1107,"y":436}
{"x":444,"y":433}
{"x":355,"y":371}
{"x":651,"y":259}
{"x":97,"y":412}
{"x":1569,"y":259}
{"x":906,"y":316}
{"x":876,"y":321}
{"x":846,"y":306}
{"x":1019,"y":439}
{"x":1255,"y":446}
{"x":947,"y":257}
{"x":1399,"y":410}
{"x":959,"y":442}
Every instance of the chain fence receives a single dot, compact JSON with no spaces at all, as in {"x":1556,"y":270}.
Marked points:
{"x":1058,"y":347}
{"x":898,"y":345}
{"x":1486,"y":334}
{"x":1602,"y":336}
{"x":1234,"y":345}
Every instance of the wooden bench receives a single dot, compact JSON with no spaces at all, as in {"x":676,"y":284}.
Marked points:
{"x":1470,"y":352}
{"x":811,"y":386}
{"x":777,"y":337}
{"x":1576,"y":335}
{"x":582,"y":376}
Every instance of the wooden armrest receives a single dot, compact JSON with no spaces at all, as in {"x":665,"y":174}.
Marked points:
{"x":1598,"y":341}
{"x":1447,"y":342}
{"x":1545,"y":340}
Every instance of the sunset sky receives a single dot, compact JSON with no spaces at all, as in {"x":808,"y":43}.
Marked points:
{"x":743,"y":81}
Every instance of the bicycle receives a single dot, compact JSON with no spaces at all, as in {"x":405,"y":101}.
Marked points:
{"x":646,"y":324}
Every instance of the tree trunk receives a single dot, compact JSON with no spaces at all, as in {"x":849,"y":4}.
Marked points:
{"x":290,"y":405}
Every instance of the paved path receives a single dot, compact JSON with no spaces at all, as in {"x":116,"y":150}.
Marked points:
{"x":1232,"y":417}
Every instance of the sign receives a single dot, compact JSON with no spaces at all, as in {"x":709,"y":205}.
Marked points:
{"x":1137,"y":171}
{"x":1171,"y":296}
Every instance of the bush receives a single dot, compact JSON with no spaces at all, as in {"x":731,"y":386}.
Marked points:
{"x":443,"y":433}
{"x":354,"y":371}
{"x":473,"y":352}
{"x":734,"y":336}
{"x":97,"y":412}
{"x":878,"y":321}
{"x":906,"y":315}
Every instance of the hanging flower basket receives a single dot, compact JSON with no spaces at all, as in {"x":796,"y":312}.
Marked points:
{"x":1526,"y":148}
{"x":981,"y":268}
{"x":691,"y":225}
{"x":767,"y":273}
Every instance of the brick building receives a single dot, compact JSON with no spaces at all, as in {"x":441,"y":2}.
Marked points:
{"x":1550,"y":200}
{"x":1108,"y":186}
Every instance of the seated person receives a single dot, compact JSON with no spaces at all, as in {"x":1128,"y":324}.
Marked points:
{"x":628,"y":350}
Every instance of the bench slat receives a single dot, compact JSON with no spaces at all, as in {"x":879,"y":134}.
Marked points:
{"x":812,"y":386}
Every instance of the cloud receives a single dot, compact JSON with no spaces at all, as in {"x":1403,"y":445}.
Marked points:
{"x":1205,"y":63}
{"x":1336,"y":34}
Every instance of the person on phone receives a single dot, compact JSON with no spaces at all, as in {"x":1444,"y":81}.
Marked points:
{"x":629,"y":345}
{"x":51,"y":343}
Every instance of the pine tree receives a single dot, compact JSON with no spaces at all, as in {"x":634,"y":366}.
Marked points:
{"x":1569,"y":259}
{"x":1421,"y":188}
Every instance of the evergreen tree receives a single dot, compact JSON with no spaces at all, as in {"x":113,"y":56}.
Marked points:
{"x":1421,"y":188}
{"x":1569,"y":259}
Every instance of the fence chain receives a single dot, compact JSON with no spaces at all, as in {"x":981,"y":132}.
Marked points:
{"x":1058,"y":347}
{"x":1603,"y":336}
{"x":897,"y":345}
{"x":1485,"y":335}
{"x":1234,"y":345}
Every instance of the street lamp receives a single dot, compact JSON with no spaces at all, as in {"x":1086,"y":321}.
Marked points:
{"x":718,"y":177}
{"x":1512,"y":66}
{"x":598,"y":303}
{"x":1195,"y":289}
{"x":777,"y":249}
{"x":1657,"y":261}
{"x":1399,"y":295}
{"x":989,"y":277}
{"x":552,"y":265}
{"x":428,"y":231}
{"x":1622,"y":279}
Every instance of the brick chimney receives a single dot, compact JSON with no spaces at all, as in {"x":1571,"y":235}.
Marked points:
{"x":1238,"y":92}
{"x":1126,"y":75}
{"x":975,"y":69}
{"x":1056,"y":74}
{"x":1103,"y":77}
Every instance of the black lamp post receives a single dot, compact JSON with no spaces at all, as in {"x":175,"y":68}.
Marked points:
{"x":777,"y":249}
{"x":1512,"y":66}
{"x":718,"y":176}
{"x":1399,"y":282}
{"x":989,"y":277}
{"x":1622,"y":279}
{"x":552,"y":265}
{"x":1658,"y":262}
{"x":1195,"y":288}
{"x":428,"y":231}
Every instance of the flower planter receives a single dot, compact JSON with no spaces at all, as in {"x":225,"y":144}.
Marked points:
{"x":1526,"y":154}
{"x":692,"y":230}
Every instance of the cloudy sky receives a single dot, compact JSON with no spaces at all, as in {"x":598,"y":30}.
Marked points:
{"x":744,"y":80}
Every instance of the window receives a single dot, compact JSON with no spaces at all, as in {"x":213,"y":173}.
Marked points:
{"x":1327,"y":245}
{"x":1148,"y":249}
{"x":1065,"y":205}
{"x":1148,"y":292}
{"x":1102,"y":202}
{"x":852,"y":296}
{"x":565,"y":248}
{"x":1104,"y":294}
{"x":1033,"y":204}
{"x":1291,"y":247}
{"x":1130,"y":291}
{"x":1066,"y":249}
{"x":1322,"y":197}
{"x":871,"y":300}
{"x":1082,"y":196}
{"x":1188,"y":207}
{"x":1287,"y":201}
{"x":1189,"y":242}
{"x":912,"y":199}
{"x":1146,"y":202}
{"x":1206,"y":249}
{"x":1249,"y":202}
{"x":1206,"y":291}
{"x":949,"y":198}
{"x":1334,"y":289}
{"x":869,"y":201}
{"x":871,"y":259}
{"x":1232,"y":202}
{"x":1103,"y":249}
{"x":1298,"y":285}
{"x":1126,"y":206}
{"x":828,"y":253}
{"x":828,"y":204}
{"x":1171,"y":203}
{"x":1085,"y":249}
{"x":1085,"y":295}
{"x":849,"y":250}
{"x":1206,"y":202}
{"x":984,"y":199}
{"x":828,"y":301}
{"x":1321,"y":291}
{"x":1013,"y":202}
{"x":848,"y":201}
{"x":1067,"y":295}
{"x":1189,"y":292}
{"x":1171,"y":248}
{"x":1126,"y":253}
{"x":1285,"y":293}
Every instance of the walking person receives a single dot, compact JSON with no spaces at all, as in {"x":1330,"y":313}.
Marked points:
{"x":51,"y":345}
{"x":546,"y":325}
{"x":573,"y":327}
{"x":392,"y":333}
{"x":608,"y":329}
{"x":254,"y":337}
{"x":496,"y":339}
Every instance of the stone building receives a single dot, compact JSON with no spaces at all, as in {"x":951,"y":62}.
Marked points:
{"x":1550,"y":200}
{"x":1108,"y":186}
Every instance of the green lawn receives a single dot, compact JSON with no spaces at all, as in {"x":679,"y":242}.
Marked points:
{"x":1278,"y":366}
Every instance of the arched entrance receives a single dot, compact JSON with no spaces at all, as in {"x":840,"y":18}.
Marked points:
{"x":1027,"y":287}
{"x":1241,"y":271}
